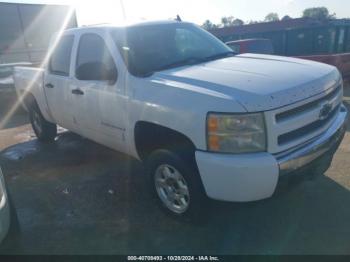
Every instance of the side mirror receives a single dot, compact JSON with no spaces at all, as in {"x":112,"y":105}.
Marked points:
{"x":96,"y":71}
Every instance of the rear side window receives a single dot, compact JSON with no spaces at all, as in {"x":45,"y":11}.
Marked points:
{"x":60,"y":59}
{"x":93,"y":50}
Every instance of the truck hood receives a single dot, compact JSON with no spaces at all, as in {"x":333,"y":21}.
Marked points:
{"x":257,"y":82}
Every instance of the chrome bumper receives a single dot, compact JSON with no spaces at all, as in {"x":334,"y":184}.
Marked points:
{"x":326,"y":143}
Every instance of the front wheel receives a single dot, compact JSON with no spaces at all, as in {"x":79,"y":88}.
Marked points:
{"x":44,"y":130}
{"x":176,"y":185}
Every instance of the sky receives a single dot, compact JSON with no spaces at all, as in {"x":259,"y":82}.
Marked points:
{"x":197,"y":11}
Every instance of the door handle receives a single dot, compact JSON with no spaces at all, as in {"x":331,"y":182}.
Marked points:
{"x":77,"y":92}
{"x":49,"y":85}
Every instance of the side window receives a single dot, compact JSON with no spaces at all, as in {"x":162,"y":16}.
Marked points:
{"x":94,"y":61}
{"x":60,"y":59}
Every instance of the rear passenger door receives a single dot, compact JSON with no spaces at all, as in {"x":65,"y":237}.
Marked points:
{"x":100,"y":106}
{"x":57,"y":80}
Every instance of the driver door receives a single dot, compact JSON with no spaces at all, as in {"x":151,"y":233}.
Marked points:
{"x":99,"y":102}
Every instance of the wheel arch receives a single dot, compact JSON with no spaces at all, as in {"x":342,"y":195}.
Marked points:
{"x":28,"y":100}
{"x":150,"y":136}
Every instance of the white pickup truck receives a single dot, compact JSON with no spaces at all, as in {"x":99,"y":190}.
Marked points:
{"x":206,"y":121}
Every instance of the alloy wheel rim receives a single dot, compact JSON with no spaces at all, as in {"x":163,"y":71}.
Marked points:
{"x":172,"y":188}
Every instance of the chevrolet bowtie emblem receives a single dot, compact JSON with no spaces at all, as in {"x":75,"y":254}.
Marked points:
{"x":325,"y":110}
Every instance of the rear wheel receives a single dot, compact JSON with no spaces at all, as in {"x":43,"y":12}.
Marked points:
{"x":176,"y":185}
{"x":44,"y":130}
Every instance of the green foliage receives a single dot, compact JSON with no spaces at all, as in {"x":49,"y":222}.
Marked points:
{"x":272,"y":17}
{"x":227,"y":21}
{"x":320,"y":13}
{"x":231,"y":21}
{"x":251,"y":22}
{"x":237,"y":22}
{"x":286,"y":17}
{"x":208,"y":25}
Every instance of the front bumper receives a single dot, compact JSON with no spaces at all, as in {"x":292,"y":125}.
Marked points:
{"x":251,"y":177}
{"x":327,"y":143}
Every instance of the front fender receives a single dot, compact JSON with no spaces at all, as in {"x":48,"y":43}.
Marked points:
{"x":183,"y":109}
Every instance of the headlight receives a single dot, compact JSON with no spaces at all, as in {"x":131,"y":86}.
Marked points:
{"x":236,"y":133}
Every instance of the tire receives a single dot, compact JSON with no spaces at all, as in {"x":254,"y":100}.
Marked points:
{"x":44,"y":130}
{"x":176,"y":185}
{"x":12,"y":238}
{"x":320,"y":166}
{"x":14,"y":223}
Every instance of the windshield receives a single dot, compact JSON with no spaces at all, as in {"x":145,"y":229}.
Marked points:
{"x":149,"y":48}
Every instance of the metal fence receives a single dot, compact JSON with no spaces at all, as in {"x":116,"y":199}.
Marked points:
{"x":296,"y":36}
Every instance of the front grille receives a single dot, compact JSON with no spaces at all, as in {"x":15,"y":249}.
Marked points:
{"x":298,"y":123}
{"x":307,"y":107}
{"x":308,"y":129}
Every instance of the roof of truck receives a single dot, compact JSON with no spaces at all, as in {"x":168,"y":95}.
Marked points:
{"x":109,"y":26}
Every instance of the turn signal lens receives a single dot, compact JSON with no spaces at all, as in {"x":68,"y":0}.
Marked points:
{"x":214,"y":143}
{"x":212,"y":124}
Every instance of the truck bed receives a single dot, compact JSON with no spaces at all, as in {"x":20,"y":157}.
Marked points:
{"x":28,"y":80}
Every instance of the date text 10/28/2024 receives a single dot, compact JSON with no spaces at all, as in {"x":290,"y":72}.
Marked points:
{"x":173,"y":258}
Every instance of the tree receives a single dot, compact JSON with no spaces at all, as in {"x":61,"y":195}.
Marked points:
{"x":231,"y":21}
{"x":251,"y":22}
{"x":208,"y":25}
{"x":227,"y":21}
{"x":320,"y":13}
{"x":286,"y":17}
{"x":272,"y":17}
{"x":237,"y":22}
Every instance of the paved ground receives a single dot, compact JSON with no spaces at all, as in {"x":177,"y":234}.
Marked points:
{"x":76,"y":197}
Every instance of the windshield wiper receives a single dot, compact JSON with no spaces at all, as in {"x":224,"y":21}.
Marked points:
{"x":218,"y":56}
{"x":192,"y":61}
{"x":187,"y":61}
